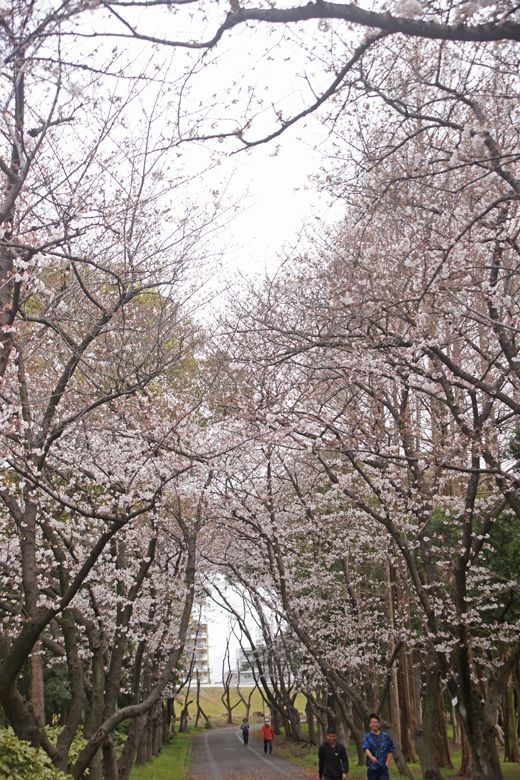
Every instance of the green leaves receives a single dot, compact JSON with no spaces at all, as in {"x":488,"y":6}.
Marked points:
{"x":20,"y":761}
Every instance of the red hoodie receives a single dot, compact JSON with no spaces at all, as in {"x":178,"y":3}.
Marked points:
{"x":267,"y":731}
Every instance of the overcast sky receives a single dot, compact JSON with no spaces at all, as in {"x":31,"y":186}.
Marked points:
{"x":256,"y":74}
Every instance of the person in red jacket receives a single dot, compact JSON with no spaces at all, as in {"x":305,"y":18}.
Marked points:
{"x":268,"y":735}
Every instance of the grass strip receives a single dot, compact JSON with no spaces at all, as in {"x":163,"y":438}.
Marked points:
{"x":171,"y":763}
{"x":307,"y":756}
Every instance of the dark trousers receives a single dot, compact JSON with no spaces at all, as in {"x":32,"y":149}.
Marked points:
{"x":268,"y":746}
{"x":245,"y":736}
{"x":378,"y":773}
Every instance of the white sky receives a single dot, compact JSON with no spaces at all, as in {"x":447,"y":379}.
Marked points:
{"x":252,"y":74}
{"x":218,"y":631}
{"x":278,"y":203}
{"x":220,"y":628}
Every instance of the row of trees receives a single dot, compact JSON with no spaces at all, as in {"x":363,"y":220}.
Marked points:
{"x":378,"y":513}
{"x":99,"y":395}
{"x":100,"y":525}
{"x":343,"y":449}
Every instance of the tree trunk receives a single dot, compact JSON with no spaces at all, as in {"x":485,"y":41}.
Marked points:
{"x":309,"y":714}
{"x":349,"y":726}
{"x":408,"y":723}
{"x":275,"y":720}
{"x":143,"y":742}
{"x":358,"y":739}
{"x":170,"y":712}
{"x":166,"y":717}
{"x":425,"y":734}
{"x":75,"y":715}
{"x":511,"y":752}
{"x":149,"y":736}
{"x":157,"y":729}
{"x":339,"y":723}
{"x":141,"y":682}
{"x":37,"y":689}
{"x":132,"y":744}
{"x":200,"y":711}
{"x":323,"y":717}
{"x":441,"y":746}
{"x":475,"y":713}
{"x":466,"y":763}
{"x":516,"y":678}
{"x":197,"y":698}
{"x":455,"y":723}
{"x":110,"y":771}
{"x":481,"y":734}
{"x":95,"y":704}
{"x":294,"y":718}
{"x":95,"y":770}
{"x":183,"y":720}
{"x":393,"y":699}
{"x":402,"y":766}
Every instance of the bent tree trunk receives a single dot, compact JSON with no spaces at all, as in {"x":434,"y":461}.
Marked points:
{"x":466,"y":762}
{"x":402,"y":766}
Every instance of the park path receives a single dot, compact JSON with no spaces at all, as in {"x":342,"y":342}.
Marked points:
{"x":220,"y":754}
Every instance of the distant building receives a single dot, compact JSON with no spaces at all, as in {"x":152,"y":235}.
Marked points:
{"x":246,"y":674}
{"x":196,"y":651}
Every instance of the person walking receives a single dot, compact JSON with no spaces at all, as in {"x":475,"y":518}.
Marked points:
{"x":332,"y":758}
{"x":244,"y":728}
{"x":268,"y":735}
{"x":378,"y":747}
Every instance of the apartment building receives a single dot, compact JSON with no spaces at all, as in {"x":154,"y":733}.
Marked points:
{"x":196,"y":651}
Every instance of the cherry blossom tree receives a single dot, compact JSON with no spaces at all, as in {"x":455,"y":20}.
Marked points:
{"x":320,"y":46}
{"x":96,"y":399}
{"x":390,"y":354}
{"x":42,"y":100}
{"x":355,"y":440}
{"x":400,"y":466}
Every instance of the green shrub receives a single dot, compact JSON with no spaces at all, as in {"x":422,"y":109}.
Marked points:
{"x":20,"y":761}
{"x":77,"y":745}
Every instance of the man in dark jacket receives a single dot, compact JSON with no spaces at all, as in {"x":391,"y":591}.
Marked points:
{"x":332,"y":759}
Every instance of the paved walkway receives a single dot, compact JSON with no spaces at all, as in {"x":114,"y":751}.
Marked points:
{"x":220,"y":754}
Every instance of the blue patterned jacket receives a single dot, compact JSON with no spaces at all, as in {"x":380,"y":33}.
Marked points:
{"x":380,"y":746}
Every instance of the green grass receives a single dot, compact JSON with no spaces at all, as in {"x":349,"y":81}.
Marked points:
{"x":171,"y":763}
{"x":511,"y":771}
{"x":212,"y":705}
{"x":307,"y":756}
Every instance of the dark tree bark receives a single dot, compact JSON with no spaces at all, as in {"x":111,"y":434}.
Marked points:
{"x":407,"y":706}
{"x":200,"y":711}
{"x":309,"y":714}
{"x":442,"y":749}
{"x":511,"y":751}
{"x":466,"y":761}
{"x":425,"y":733}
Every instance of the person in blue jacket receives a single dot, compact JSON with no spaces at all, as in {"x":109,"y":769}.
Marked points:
{"x":244,"y":728}
{"x":378,"y":747}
